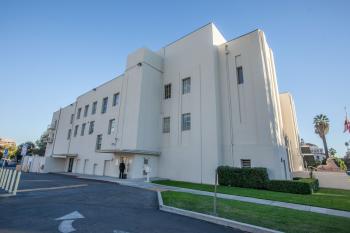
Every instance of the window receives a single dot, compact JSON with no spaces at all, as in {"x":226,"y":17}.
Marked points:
{"x":94,"y":106}
{"x":111,"y":126}
{"x":239,"y":75}
{"x":79,"y":112}
{"x":246,"y":163}
{"x":69,"y":134}
{"x":82,"y":132}
{"x":167,"y":91}
{"x":186,"y":85}
{"x":104,"y":105}
{"x":91,"y":127}
{"x":115,"y":99}
{"x":186,"y":121}
{"x":166,"y":125}
{"x":98,"y":142}
{"x":76,"y":130}
{"x":71,"y":118}
{"x":86,"y":109}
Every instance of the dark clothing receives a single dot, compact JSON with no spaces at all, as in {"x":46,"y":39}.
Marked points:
{"x":121,"y":170}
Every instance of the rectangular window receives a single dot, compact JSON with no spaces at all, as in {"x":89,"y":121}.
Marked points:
{"x":239,"y":75}
{"x":167,"y":91}
{"x":86,"y":109}
{"x":91,"y":127}
{"x":76,"y":130}
{"x":186,"y":85}
{"x":71,"y":118}
{"x":69,"y":134}
{"x":115,"y":99}
{"x":111,"y":126}
{"x":79,"y":112}
{"x":94,"y":107}
{"x":246,"y":163}
{"x":104,"y":105}
{"x":98,"y":142}
{"x":166,"y":125}
{"x":186,"y":121}
{"x":82,"y":132}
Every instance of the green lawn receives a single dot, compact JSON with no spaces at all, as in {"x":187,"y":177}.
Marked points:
{"x":277,"y":218}
{"x":327,"y":198}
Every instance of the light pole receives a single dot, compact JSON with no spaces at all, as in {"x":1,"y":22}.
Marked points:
{"x":215,"y":196}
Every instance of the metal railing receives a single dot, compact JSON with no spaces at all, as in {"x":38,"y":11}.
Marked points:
{"x":9,"y":180}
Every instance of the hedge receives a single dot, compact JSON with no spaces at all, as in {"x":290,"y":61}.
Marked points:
{"x":258,"y":178}
{"x":243,"y":177}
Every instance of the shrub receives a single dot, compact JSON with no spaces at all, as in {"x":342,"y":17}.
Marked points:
{"x":243,"y":177}
{"x":301,"y":186}
{"x":314,"y":184}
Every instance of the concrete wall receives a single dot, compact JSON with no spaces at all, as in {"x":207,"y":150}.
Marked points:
{"x":290,"y":128}
{"x":250,"y":111}
{"x":337,"y":180}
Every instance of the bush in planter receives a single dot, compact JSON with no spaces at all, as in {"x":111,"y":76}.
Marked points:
{"x":243,"y":177}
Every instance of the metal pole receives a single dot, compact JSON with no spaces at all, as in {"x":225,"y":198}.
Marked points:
{"x":215,"y":189}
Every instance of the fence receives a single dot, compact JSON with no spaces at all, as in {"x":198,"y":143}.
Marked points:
{"x":33,"y":163}
{"x":9,"y":180}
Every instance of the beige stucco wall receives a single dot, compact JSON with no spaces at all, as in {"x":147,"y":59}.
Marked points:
{"x":290,"y":129}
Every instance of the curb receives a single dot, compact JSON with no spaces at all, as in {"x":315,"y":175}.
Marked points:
{"x":213,"y":219}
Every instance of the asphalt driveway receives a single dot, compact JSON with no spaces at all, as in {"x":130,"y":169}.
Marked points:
{"x":94,"y":207}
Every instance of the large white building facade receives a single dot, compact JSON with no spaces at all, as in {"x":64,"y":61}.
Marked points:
{"x":195,"y":104}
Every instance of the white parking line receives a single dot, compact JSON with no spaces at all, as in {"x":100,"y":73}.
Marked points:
{"x":52,"y":188}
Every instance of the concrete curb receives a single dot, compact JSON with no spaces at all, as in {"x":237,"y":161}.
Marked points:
{"x":213,"y":219}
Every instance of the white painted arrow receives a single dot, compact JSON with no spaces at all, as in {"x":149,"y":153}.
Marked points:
{"x":68,"y":219}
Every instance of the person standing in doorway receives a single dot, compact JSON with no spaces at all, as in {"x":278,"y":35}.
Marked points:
{"x":121,"y":169}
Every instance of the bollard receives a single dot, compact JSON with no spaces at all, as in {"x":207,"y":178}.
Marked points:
{"x":1,"y":174}
{"x":12,"y":181}
{"x":4,"y":179}
{"x":17,"y":182}
{"x":1,"y":171}
{"x":8,"y":180}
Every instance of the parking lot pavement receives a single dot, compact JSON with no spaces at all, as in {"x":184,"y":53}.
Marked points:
{"x":57,"y":203}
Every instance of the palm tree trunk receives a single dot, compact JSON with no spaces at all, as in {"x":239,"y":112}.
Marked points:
{"x":325,"y":146}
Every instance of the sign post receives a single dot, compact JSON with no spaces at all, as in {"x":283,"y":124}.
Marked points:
{"x":5,"y":155}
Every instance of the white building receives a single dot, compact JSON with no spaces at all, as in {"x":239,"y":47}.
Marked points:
{"x":312,"y":150}
{"x":195,"y":104}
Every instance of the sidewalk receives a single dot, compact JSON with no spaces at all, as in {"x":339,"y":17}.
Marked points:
{"x":140,"y":183}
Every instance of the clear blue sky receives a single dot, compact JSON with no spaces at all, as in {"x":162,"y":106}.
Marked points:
{"x":53,"y":51}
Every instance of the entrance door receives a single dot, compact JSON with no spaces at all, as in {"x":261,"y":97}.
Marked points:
{"x":70,"y":164}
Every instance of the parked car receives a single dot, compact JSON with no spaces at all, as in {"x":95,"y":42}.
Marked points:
{"x":10,"y":163}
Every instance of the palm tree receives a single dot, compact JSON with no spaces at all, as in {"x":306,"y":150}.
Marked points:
{"x":321,"y":124}
{"x":332,"y":152}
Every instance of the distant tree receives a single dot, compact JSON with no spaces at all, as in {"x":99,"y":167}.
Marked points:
{"x":340,"y":163}
{"x":347,"y":145}
{"x":41,"y":144}
{"x":321,"y":125}
{"x":30,"y":149}
{"x":332,"y":152}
